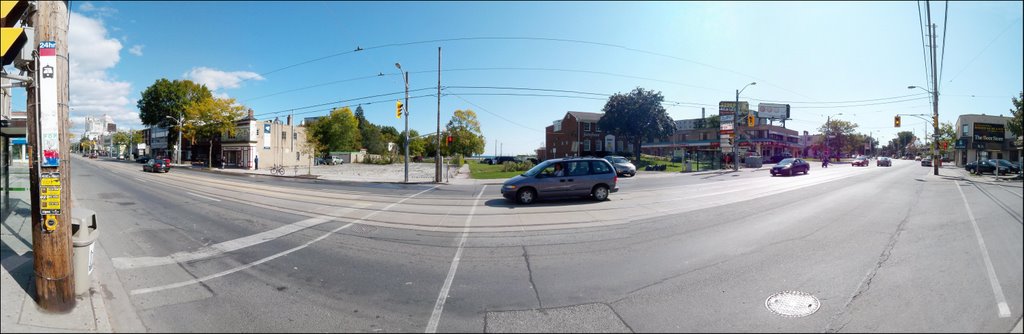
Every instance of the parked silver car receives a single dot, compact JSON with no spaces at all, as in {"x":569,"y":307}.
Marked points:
{"x":622,"y":165}
{"x":591,"y":177}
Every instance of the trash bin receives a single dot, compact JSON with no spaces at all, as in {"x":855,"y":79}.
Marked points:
{"x":753,"y":162}
{"x":83,"y":237}
{"x":687,"y":167}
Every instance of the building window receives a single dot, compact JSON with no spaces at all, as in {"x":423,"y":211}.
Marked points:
{"x":296,"y":156}
{"x":965,"y":130}
{"x":586,"y":145}
{"x":597,"y":145}
{"x":597,"y":127}
{"x":586,"y":127}
{"x":295,"y":135}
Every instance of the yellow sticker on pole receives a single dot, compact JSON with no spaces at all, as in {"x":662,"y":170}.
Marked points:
{"x":50,"y":182}
{"x":52,"y":203}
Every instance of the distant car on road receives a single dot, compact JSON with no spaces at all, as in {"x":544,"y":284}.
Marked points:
{"x":156,"y":166}
{"x":622,"y":165}
{"x":861,"y":161}
{"x":501,"y":160}
{"x":569,"y":177}
{"x":790,"y":166}
{"x":926,"y":162}
{"x":883,"y":161}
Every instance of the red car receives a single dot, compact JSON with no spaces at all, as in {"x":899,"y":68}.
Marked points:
{"x":861,"y":161}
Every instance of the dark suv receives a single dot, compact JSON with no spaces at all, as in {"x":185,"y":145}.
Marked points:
{"x":584,"y":177}
{"x":501,"y":160}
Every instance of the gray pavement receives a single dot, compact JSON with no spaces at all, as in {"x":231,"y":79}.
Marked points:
{"x":672,"y":262}
{"x":20,"y":313}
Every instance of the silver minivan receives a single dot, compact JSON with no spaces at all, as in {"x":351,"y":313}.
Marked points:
{"x":569,"y":177}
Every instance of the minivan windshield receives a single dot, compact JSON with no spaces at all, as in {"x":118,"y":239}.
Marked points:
{"x":537,"y":169}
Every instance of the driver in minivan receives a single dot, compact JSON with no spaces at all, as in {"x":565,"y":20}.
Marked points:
{"x":559,"y":171}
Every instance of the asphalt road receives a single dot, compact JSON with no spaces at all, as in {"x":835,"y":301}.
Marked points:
{"x":882,"y":250}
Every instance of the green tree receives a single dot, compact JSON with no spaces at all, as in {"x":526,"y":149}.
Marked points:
{"x":389,"y":134}
{"x":210,"y":118}
{"x":1015,"y":124}
{"x":373,"y":141}
{"x":86,"y":144}
{"x":838,"y":132}
{"x":947,"y":134}
{"x":464,"y":128}
{"x":712,"y":122}
{"x":338,"y":131}
{"x":417,"y":145}
{"x":637,"y":116}
{"x":165,"y":98}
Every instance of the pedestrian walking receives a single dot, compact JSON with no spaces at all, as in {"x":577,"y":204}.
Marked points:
{"x":257,"y":161}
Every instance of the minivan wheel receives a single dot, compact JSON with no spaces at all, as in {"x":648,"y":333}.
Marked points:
{"x":526,"y":196}
{"x":600,"y":193}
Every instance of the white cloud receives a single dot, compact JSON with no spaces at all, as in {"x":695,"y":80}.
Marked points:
{"x":136,"y":49}
{"x":88,"y":7}
{"x":216,"y":79}
{"x":221,"y":95}
{"x":92,"y":91}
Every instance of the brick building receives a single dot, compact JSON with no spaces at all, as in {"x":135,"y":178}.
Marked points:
{"x":577,"y":134}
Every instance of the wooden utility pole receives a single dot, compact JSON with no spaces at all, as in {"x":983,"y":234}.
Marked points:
{"x":49,"y":160}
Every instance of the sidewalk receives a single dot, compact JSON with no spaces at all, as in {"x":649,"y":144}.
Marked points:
{"x":19,"y":310}
{"x":1002,"y":180}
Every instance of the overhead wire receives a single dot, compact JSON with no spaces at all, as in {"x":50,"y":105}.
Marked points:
{"x":492,"y":113}
{"x":924,"y":46}
{"x":342,"y":101}
{"x":945,"y":24}
{"x":985,"y":48}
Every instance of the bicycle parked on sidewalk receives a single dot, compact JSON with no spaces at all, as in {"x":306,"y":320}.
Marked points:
{"x":277,"y":170}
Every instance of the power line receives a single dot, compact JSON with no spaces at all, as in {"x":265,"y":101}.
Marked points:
{"x":986,"y":48}
{"x":314,"y":86}
{"x":945,"y":24}
{"x":495,"y":114}
{"x":862,"y":105}
{"x":530,"y":89}
{"x":343,"y":101}
{"x":357,"y":49}
{"x":836,"y":102}
{"x":924,"y":53}
{"x":365,"y":103}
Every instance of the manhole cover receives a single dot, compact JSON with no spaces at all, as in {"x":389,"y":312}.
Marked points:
{"x":792,"y":304}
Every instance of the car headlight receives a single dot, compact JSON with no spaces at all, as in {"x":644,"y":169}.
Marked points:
{"x":510,"y":186}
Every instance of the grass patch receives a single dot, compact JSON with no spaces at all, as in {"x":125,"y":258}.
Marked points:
{"x":484,"y":171}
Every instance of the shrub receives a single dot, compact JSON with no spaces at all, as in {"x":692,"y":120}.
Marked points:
{"x":510,"y":166}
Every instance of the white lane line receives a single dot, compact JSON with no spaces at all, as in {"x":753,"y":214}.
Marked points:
{"x":141,"y":180}
{"x":201,"y":196}
{"x":227,"y":246}
{"x":1004,"y":309}
{"x":435,"y":317}
{"x":260,"y":261}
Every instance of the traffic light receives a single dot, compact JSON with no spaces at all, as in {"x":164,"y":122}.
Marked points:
{"x":11,"y":39}
{"x":897,"y":121}
{"x":751,"y":120}
{"x":944,"y":145}
{"x":398,"y":109}
{"x":449,"y":139}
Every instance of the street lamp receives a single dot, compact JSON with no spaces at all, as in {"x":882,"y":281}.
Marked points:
{"x":736,"y":130}
{"x":177,"y":148}
{"x":935,"y":126}
{"x":406,"y":106}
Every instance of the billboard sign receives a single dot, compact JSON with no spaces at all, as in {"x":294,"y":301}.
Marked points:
{"x":728,"y":107}
{"x":773,"y":111}
{"x":986,"y":132}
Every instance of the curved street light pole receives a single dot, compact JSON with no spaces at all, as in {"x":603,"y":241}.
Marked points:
{"x":177,"y":148}
{"x":736,"y":130}
{"x":935,"y":127}
{"x":406,"y":111}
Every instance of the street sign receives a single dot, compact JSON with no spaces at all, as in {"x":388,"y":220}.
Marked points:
{"x":49,"y":120}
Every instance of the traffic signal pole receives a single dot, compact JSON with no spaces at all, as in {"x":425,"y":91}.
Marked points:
{"x":49,"y":160}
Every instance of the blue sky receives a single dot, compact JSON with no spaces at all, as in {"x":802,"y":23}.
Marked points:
{"x":810,"y":54}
